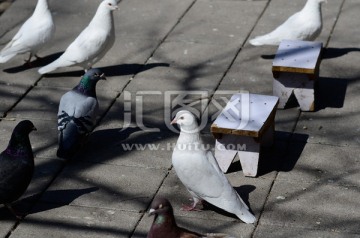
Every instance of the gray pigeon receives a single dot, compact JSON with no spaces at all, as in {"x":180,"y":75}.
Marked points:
{"x":92,"y":43}
{"x":199,"y":171}
{"x":164,"y":224}
{"x":77,"y":113}
{"x":16,"y":165}
{"x":33,"y":34}
{"x":304,"y":25}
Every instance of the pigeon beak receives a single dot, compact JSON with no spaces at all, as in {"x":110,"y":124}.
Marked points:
{"x":173,"y":121}
{"x":102,"y":76}
{"x":34,"y":128}
{"x":151,"y":212}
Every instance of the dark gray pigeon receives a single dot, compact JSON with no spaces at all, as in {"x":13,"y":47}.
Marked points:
{"x":164,"y":224}
{"x":77,"y":113}
{"x":16,"y":165}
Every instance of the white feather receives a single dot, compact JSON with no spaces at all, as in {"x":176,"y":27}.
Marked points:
{"x":92,"y":43}
{"x":198,"y":170}
{"x":303,"y":25}
{"x":33,"y":34}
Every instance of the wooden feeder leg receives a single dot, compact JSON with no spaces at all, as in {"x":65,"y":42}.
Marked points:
{"x":281,"y":90}
{"x":267,"y":139}
{"x":250,"y":159}
{"x":223,"y":156}
{"x":305,"y":98}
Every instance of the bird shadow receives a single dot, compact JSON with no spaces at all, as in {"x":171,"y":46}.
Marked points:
{"x":108,"y":136}
{"x":113,"y":70}
{"x":29,"y":205}
{"x":243,"y":191}
{"x":130,"y":69}
{"x":327,"y":53}
{"x":38,"y":62}
{"x":67,"y":196}
{"x":330,"y":53}
{"x":97,"y":147}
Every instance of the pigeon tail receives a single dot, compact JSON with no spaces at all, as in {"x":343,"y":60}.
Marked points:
{"x":246,"y":216}
{"x":264,"y":40}
{"x":12,"y":50}
{"x":6,"y":58}
{"x":50,"y":67}
{"x":70,"y":140}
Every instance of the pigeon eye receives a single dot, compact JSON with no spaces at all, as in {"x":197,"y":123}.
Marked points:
{"x":109,"y":4}
{"x":96,"y":74}
{"x":182,"y":118}
{"x":160,"y":206}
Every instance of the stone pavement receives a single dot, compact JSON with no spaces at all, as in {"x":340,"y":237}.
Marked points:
{"x":168,"y":51}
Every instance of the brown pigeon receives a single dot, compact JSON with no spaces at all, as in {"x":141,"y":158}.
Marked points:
{"x":164,"y":224}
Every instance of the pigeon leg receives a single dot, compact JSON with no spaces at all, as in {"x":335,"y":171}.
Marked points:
{"x":8,"y":206}
{"x":192,"y":207}
{"x":38,"y":58}
{"x":28,"y":60}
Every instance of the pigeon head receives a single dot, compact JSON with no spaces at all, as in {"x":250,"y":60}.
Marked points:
{"x":164,"y":220}
{"x":19,"y":141}
{"x":88,"y":82}
{"x":159,"y":206}
{"x":187,"y":121}
{"x":110,"y":4}
{"x":24,"y":128}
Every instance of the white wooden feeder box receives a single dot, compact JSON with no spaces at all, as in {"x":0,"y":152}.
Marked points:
{"x":244,"y":125}
{"x":295,"y":69}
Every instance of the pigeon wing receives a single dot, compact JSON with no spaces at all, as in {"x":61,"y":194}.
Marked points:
{"x":85,"y":47}
{"x":198,"y":174}
{"x":79,"y":107}
{"x":15,"y":176}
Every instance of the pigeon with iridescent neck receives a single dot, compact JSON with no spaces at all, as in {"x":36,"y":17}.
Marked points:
{"x":93,"y":42}
{"x":16,"y":165}
{"x":77,"y":113}
{"x":164,"y":224}
{"x":199,"y":171}
{"x":304,"y":25}
{"x":33,"y":35}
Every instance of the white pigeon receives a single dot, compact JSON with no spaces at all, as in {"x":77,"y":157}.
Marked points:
{"x":304,"y":25}
{"x":92,"y":43}
{"x":199,"y":171}
{"x":33,"y":34}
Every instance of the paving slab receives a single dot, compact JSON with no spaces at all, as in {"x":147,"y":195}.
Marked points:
{"x":49,"y":220}
{"x":323,"y":164}
{"x":150,"y":21}
{"x":288,"y":231}
{"x":217,"y":22}
{"x":318,"y":206}
{"x":192,"y":66}
{"x":119,"y":187}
